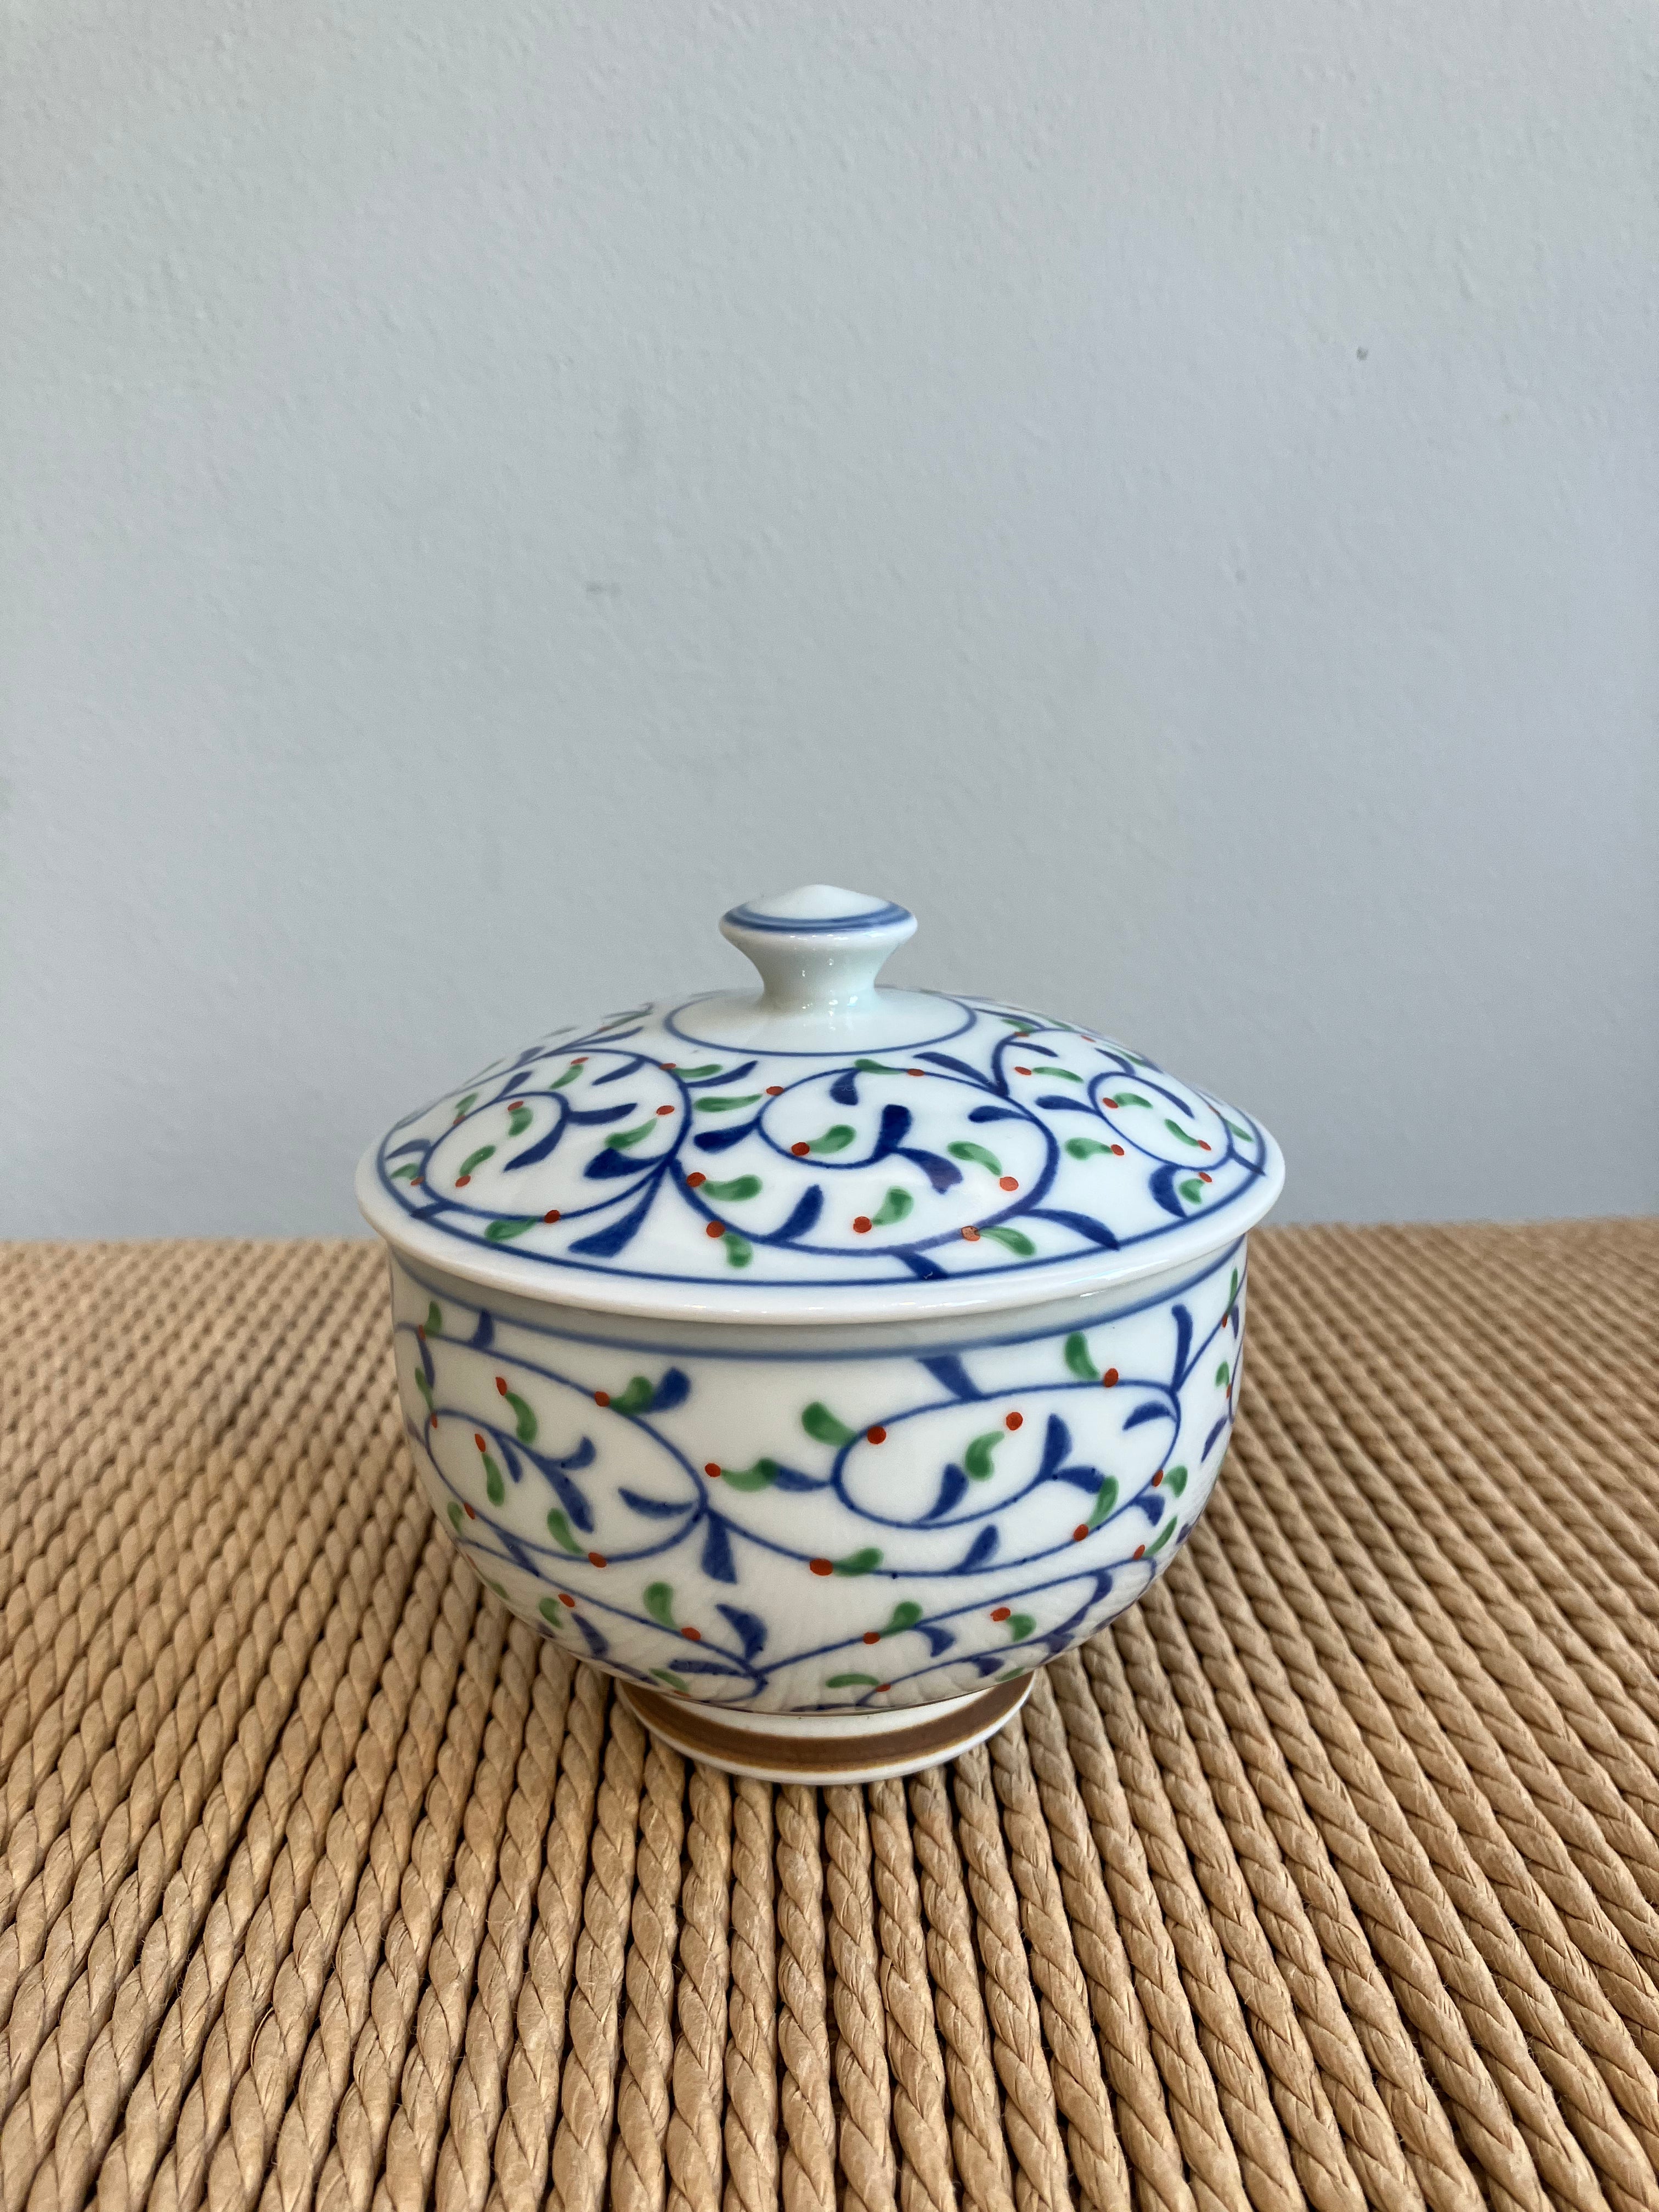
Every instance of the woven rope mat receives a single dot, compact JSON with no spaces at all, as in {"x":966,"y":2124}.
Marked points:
{"x":1329,"y":1874}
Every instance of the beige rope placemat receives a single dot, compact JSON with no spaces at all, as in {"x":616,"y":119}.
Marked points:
{"x":1329,"y":1874}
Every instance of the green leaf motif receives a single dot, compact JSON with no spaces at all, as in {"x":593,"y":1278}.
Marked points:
{"x":1161,"y":1537}
{"x":434,"y":1319}
{"x":624,"y":1138}
{"x":1020,"y":1627}
{"x":1105,"y":1499}
{"x":1083,"y":1148}
{"x":1223,"y":1376}
{"x":819,"y":1422}
{"x":466,"y":1104}
{"x":522,"y":1416}
{"x":1191,"y":1189}
{"x":476,"y":1159}
{"x":760,"y":1476}
{"x":519,"y":1121}
{"x":1078,"y":1360}
{"x":495,"y":1488}
{"x":454,"y":1515}
{"x":424,"y":1387}
{"x":500,"y":1591}
{"x":1236,"y":1130}
{"x":407,"y":1173}
{"x":836,"y":1139}
{"x":1015,"y":1239}
{"x":697,"y":1074}
{"x":1232,"y":1288}
{"x":1064,"y":1073}
{"x":904,"y":1616}
{"x":853,"y":1682}
{"x":738,"y":1250}
{"x":660,"y":1602}
{"x":877,"y":1067}
{"x":569,"y":1076}
{"x":730,"y":1194}
{"x":1131,"y":1098}
{"x":549,"y":1609}
{"x":977,"y":1457}
{"x":1176,"y":1130}
{"x":559,"y":1529}
{"x":964,"y":1151}
{"x":667,"y":1675}
{"x":636,"y":1399}
{"x":894,"y":1207}
{"x":859,"y":1563}
{"x":725,"y":1105}
{"x":1175,"y":1479}
{"x":503,"y":1232}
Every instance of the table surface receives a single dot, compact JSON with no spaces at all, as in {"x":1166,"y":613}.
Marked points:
{"x":1329,"y":1875}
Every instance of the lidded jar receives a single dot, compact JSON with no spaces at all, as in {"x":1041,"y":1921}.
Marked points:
{"x":819,"y":1359}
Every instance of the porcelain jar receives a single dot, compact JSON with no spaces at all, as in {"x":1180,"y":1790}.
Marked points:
{"x":820,"y":1359}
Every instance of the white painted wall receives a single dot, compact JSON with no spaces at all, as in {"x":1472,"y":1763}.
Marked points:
{"x":1169,"y":491}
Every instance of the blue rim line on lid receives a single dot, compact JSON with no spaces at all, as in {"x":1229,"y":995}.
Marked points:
{"x":1240,"y":1157}
{"x":835,"y":925}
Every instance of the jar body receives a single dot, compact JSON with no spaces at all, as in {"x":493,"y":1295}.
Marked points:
{"x":829,"y":1520}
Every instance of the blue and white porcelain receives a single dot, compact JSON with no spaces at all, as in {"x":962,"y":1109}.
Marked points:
{"x":820,"y":1359}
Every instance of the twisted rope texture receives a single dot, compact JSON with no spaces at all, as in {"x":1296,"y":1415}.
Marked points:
{"x":1327,"y":1875}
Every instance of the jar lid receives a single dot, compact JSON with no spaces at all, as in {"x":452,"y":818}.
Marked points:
{"x":821,"y":1148}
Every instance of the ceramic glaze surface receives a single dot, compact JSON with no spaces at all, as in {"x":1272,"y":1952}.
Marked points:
{"x":822,"y":1530}
{"x":822,"y":1138}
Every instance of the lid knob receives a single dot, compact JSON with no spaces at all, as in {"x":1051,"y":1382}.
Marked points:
{"x":818,"y":949}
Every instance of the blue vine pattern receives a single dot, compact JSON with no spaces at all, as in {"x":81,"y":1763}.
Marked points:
{"x":1027,"y":1143}
{"x":583,"y":1495}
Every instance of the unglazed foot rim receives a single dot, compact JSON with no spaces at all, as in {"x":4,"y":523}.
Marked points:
{"x":820,"y":1747}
